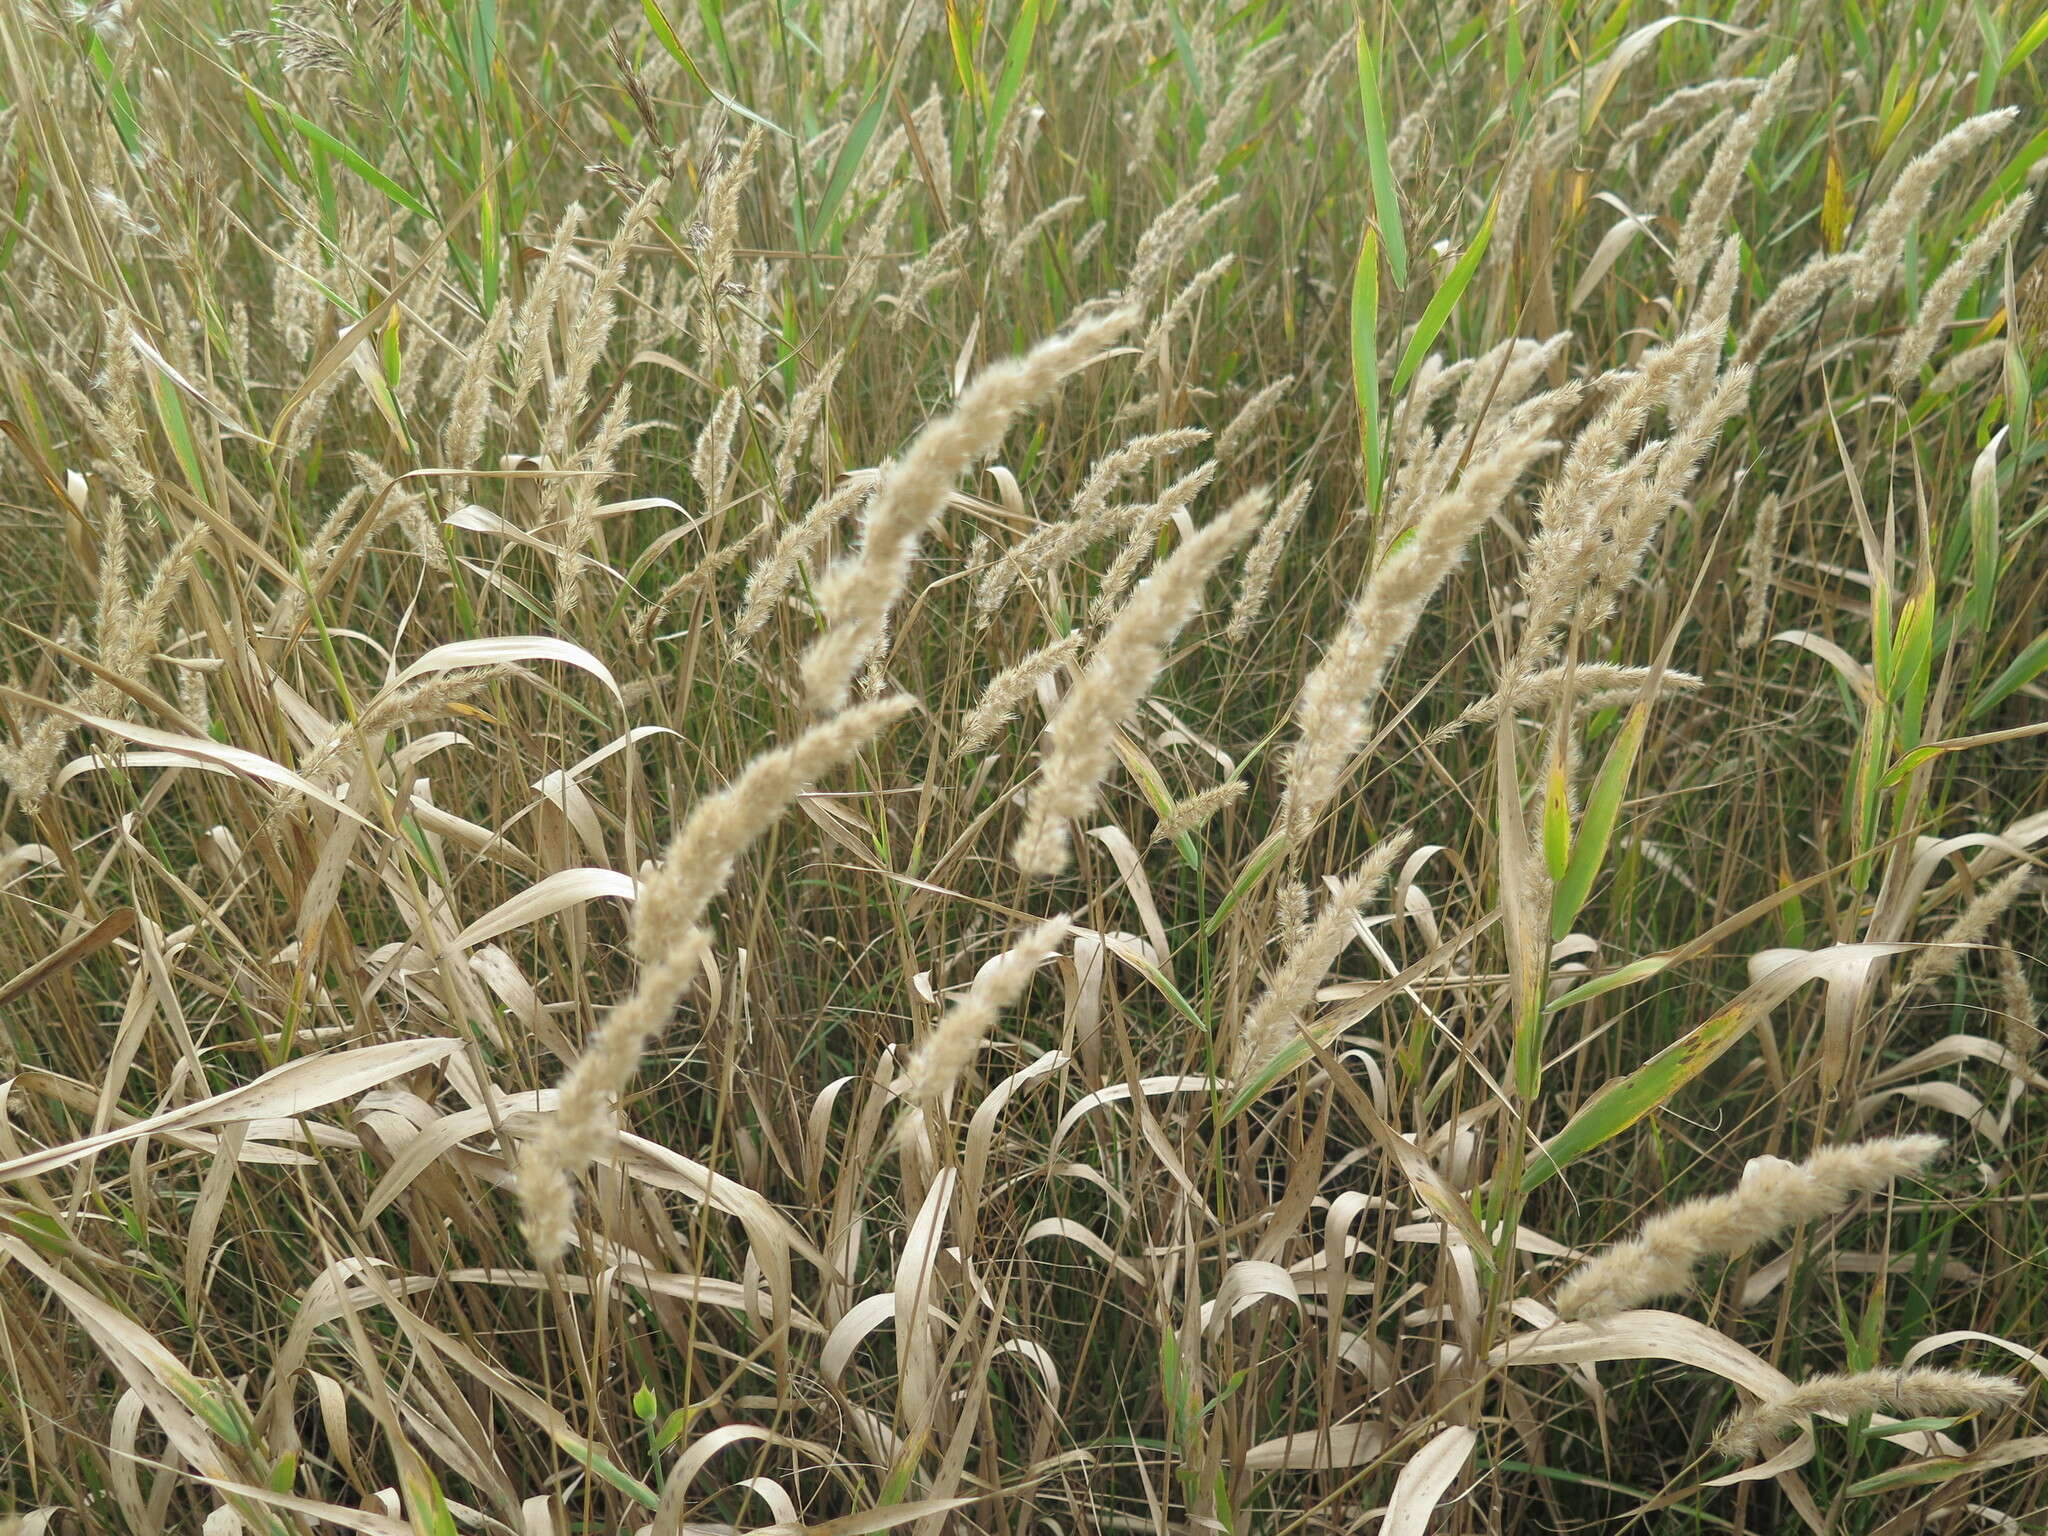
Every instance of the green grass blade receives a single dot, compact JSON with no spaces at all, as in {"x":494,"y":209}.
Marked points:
{"x":851,"y":152}
{"x":961,"y":41}
{"x":1263,"y":858}
{"x":603,"y":1466}
{"x":1365,"y":362}
{"x":1628,"y":1099}
{"x":1386,"y":197}
{"x":2024,"y":47}
{"x":665,"y":34}
{"x":1016,"y":57}
{"x":1596,"y":824}
{"x":1444,"y":301}
{"x":1620,"y":976}
{"x":120,"y":103}
{"x":1557,"y":822}
{"x":2026,"y":666}
{"x":356,"y":161}
{"x":712,"y":14}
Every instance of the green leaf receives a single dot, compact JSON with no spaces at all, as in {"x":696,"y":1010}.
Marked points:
{"x":1928,"y":751}
{"x":712,"y":14}
{"x":963,"y":53}
{"x":425,"y":1502}
{"x":491,"y":246}
{"x":1365,"y":362}
{"x":1263,"y":858}
{"x":1184,"y":49}
{"x":120,"y":104}
{"x":2028,"y":665}
{"x":1167,"y":989}
{"x":1866,"y":786}
{"x":1596,"y":825}
{"x":1016,"y":58}
{"x":354,"y":159}
{"x":1445,"y":300}
{"x":1620,"y":976}
{"x":1386,"y":197}
{"x":610,"y":1471}
{"x":2028,"y":41}
{"x":1913,"y":1475}
{"x":1912,"y":657}
{"x":850,"y":153}
{"x":1557,"y":821}
{"x":1628,"y":1099}
{"x":665,"y":34}
{"x":170,"y":411}
{"x":45,"y":1233}
{"x":671,"y":1430}
{"x":1910,"y":1427}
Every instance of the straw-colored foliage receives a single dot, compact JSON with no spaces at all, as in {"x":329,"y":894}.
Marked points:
{"x":1023,"y":766}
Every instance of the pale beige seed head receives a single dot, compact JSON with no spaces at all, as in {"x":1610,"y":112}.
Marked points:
{"x":1708,"y":211}
{"x":1262,"y":561}
{"x":1916,"y":1393}
{"x":1175,"y":231}
{"x":470,"y":410}
{"x":1274,"y":1021}
{"x":1593,"y":685}
{"x":1881,"y":233}
{"x":949,"y":1050}
{"x":1141,"y":536}
{"x":1759,"y":567}
{"x":1254,"y":71}
{"x":1008,"y":688}
{"x":1081,"y":737}
{"x":1773,"y":1195}
{"x":1090,"y":517}
{"x":1197,"y":810}
{"x":2019,"y":1009}
{"x":431,"y":698}
{"x":698,"y":578}
{"x":1020,"y":244}
{"x":700,"y":858}
{"x":1938,"y":304}
{"x":1683,"y":157}
{"x":772,"y":577}
{"x":721,"y":216}
{"x":670,"y":942}
{"x":1641,"y":513}
{"x":1793,"y":297}
{"x":1496,"y":381}
{"x":859,"y":593}
{"x":1941,"y":958}
{"x":1968,"y":366}
{"x":864,"y":263}
{"x":1157,"y":340}
{"x":1251,"y":417}
{"x":801,"y":421}
{"x":711,"y":458}
{"x":917,"y":280}
{"x":530,"y":332}
{"x":1680,"y":104}
{"x":1332,"y":713}
{"x":591,"y":326}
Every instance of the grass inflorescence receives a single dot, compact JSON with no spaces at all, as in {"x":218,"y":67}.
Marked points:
{"x":1034,"y":765}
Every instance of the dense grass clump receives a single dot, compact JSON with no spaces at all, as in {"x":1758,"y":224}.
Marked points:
{"x":1023,"y":765}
